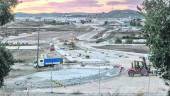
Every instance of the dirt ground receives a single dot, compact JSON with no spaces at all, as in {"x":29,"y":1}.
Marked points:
{"x":126,"y":48}
{"x":117,"y":86}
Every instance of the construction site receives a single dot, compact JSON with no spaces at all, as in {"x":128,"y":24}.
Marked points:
{"x":78,"y":57}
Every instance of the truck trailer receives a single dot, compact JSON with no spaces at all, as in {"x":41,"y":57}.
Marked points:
{"x":48,"y":62}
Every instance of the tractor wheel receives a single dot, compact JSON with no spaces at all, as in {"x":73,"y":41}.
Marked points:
{"x":144,"y":72}
{"x":131,"y":73}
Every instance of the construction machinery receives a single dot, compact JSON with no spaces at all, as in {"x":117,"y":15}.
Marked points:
{"x":139,"y":67}
{"x":52,"y":48}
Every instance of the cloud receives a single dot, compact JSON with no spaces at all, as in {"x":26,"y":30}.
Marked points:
{"x":26,"y":0}
{"x":115,"y":2}
{"x":41,"y":6}
{"x":131,"y":4}
{"x":76,"y":3}
{"x":65,"y":6}
{"x":106,"y":1}
{"x":44,"y":0}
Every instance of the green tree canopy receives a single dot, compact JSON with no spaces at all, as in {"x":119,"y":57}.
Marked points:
{"x":6,"y":7}
{"x":6,"y":58}
{"x":157,"y":33}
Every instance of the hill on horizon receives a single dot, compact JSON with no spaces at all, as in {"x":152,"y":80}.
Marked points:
{"x":114,"y":14}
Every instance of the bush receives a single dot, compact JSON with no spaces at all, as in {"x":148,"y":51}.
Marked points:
{"x":132,"y":37}
{"x":87,"y":57}
{"x":19,"y":61}
{"x":6,"y":61}
{"x":99,"y":40}
{"x":129,"y":41}
{"x":118,"y":41}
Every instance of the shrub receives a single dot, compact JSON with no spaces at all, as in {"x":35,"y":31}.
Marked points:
{"x":118,"y":41}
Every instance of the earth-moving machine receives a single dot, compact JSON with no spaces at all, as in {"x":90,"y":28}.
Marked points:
{"x":139,"y":67}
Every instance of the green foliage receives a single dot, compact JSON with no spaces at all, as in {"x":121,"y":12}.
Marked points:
{"x":19,"y":61}
{"x":129,"y":41}
{"x":73,"y":45}
{"x":106,"y":22}
{"x":6,"y":7}
{"x":118,"y":41}
{"x":6,"y":58}
{"x":157,"y":33}
{"x":132,"y":37}
{"x":100,"y":40}
{"x":54,"y":22}
{"x":135,"y":22}
{"x":87,"y":57}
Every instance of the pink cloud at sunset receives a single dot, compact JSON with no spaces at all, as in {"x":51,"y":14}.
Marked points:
{"x":68,"y":6}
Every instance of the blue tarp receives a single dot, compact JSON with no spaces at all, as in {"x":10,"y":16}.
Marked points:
{"x":53,"y":61}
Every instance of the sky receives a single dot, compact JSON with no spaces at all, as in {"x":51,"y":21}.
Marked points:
{"x":69,"y":6}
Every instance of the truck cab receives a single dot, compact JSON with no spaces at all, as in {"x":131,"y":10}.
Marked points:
{"x":40,"y":63}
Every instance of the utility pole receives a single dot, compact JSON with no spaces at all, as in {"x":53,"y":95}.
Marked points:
{"x":51,"y":77}
{"x":51,"y":81}
{"x":99,"y":81}
{"x":38,"y":42}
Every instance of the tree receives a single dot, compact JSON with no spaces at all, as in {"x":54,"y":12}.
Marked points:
{"x":135,"y":22}
{"x":6,"y":7}
{"x":105,"y":22}
{"x":157,"y":32}
{"x":6,"y":58}
{"x":129,"y":41}
{"x":118,"y":41}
